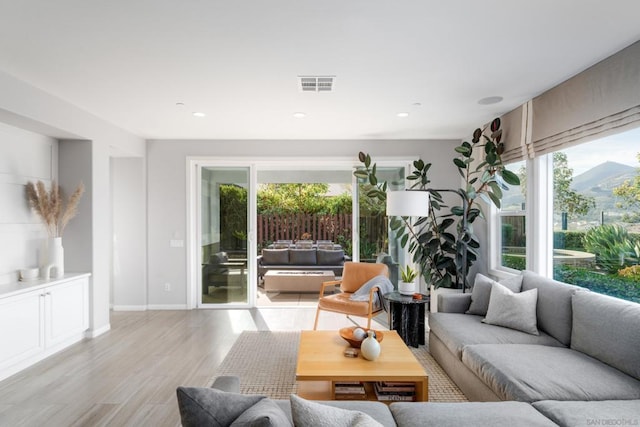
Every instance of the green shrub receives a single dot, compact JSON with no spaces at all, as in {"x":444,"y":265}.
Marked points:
{"x":572,"y":240}
{"x":514,"y":261}
{"x":612,"y":285}
{"x":612,"y":246}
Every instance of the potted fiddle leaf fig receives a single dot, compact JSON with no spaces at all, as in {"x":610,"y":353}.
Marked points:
{"x":442,"y":242}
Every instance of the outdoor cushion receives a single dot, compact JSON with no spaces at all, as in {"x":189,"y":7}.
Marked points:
{"x":302,"y":257}
{"x":493,"y":414}
{"x":606,"y":412}
{"x":530,"y":373}
{"x":554,"y":305}
{"x":457,"y":330}
{"x":482,"y":292}
{"x":330,"y":257}
{"x":512,"y":310}
{"x":608,"y":329}
{"x":275,"y":256}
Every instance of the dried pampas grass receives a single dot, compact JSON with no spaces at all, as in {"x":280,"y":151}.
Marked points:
{"x":50,"y":206}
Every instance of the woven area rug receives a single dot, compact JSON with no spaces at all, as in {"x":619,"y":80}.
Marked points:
{"x":266,"y":364}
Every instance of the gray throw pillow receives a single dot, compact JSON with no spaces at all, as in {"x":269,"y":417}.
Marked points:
{"x":207,"y":406}
{"x":513,"y":310}
{"x":265,"y":413}
{"x":482,"y":292}
{"x":306,"y":413}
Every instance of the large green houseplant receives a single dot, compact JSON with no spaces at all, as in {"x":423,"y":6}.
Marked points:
{"x":437,"y":249}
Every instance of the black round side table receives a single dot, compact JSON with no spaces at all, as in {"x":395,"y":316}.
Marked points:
{"x":406,"y":315}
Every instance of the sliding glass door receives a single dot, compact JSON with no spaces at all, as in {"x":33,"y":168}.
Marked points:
{"x":224,"y":231}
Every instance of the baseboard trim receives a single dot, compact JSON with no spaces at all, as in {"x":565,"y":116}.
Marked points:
{"x":167,"y":307}
{"x":92,"y":333}
{"x":129,"y":308}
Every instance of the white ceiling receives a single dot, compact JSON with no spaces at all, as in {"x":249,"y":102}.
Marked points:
{"x":131,"y":61}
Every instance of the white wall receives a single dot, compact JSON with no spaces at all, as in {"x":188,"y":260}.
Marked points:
{"x":29,"y":108}
{"x":24,"y":156}
{"x":128,"y":195}
{"x":167,"y":190}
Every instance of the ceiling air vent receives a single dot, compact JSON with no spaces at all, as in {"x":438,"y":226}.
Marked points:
{"x":316,"y":83}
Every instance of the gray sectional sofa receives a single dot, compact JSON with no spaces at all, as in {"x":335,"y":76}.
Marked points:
{"x":578,"y":365}
{"x":587,"y":347}
{"x":223,"y":406}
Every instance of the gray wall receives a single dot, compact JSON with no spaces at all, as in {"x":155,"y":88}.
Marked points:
{"x":128,"y":196}
{"x":167,"y":190}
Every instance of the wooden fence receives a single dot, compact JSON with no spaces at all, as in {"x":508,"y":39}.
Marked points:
{"x":293,"y":226}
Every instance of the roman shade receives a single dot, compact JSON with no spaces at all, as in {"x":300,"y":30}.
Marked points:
{"x":602,"y":100}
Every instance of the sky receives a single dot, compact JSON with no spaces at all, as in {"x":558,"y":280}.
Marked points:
{"x":620,"y":148}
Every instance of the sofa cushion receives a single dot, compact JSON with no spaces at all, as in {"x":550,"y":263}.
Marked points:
{"x":505,"y":414}
{"x":302,"y":257}
{"x":275,"y":256}
{"x":306,"y":413}
{"x":512,"y":310}
{"x":482,"y":292}
{"x":534,"y":372}
{"x":554,"y":305}
{"x":330,"y":257}
{"x":608,"y":329}
{"x":378,"y":411}
{"x":208,"y":406}
{"x":457,"y":330}
{"x":265,"y":413}
{"x":606,"y":412}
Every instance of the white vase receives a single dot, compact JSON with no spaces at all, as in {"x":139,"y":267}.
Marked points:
{"x":55,"y":258}
{"x":370,"y":347}
{"x":407,"y":288}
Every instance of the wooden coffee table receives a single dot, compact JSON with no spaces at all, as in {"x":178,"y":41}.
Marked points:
{"x":321,"y":364}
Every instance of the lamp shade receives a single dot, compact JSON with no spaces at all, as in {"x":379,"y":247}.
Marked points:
{"x":407,"y":203}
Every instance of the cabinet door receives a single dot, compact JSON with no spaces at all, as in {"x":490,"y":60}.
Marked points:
{"x":66,"y":311}
{"x":21,"y":327}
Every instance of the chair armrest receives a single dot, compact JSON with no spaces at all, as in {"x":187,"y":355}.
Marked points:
{"x":232,"y":264}
{"x":227,"y":383}
{"x":328,"y":283}
{"x":454,"y":303}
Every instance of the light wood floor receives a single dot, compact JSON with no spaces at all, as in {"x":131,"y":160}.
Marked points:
{"x":128,"y":376}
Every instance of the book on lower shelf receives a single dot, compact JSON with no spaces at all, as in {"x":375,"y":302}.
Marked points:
{"x":351,"y":390}
{"x":402,"y":392}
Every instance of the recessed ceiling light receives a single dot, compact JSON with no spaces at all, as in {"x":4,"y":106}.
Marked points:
{"x":403,"y":114}
{"x":299,"y":115}
{"x":179,"y":104}
{"x":417,"y":104}
{"x":490,"y":100}
{"x":198,"y":114}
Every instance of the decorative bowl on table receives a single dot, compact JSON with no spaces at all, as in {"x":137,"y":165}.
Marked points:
{"x":347,"y":335}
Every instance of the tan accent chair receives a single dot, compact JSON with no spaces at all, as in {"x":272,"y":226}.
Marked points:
{"x":354,"y":275}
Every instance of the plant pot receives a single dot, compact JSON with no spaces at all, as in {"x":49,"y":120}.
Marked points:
{"x":407,"y":288}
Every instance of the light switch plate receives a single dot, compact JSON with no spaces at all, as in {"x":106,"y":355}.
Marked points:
{"x":177,"y":243}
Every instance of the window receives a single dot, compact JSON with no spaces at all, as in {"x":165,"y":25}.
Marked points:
{"x":512,"y":223}
{"x":596,"y":215}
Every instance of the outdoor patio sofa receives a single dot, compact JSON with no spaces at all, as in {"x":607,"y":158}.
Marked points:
{"x":301,"y":259}
{"x":583,"y":346}
{"x":222,"y":405}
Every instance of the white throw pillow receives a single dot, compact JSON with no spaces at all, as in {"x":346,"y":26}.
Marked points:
{"x":306,"y":413}
{"x":513,"y":310}
{"x":482,"y":292}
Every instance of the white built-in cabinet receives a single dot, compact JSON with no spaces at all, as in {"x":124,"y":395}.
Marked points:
{"x":41,"y":318}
